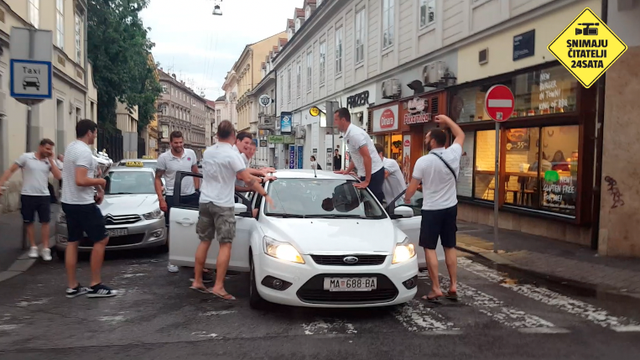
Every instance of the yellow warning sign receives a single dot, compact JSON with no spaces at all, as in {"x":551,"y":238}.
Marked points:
{"x":587,"y":47}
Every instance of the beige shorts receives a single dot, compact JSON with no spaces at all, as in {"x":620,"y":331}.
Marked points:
{"x":216,"y":222}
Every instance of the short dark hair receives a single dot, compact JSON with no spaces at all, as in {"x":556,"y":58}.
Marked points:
{"x":225,"y":130}
{"x":244,"y":135}
{"x":45,"y":142}
{"x":313,"y":157}
{"x":175,"y":135}
{"x":439,"y":136}
{"x":379,"y":148}
{"x":343,"y":113}
{"x":253,"y":143}
{"x":84,"y":126}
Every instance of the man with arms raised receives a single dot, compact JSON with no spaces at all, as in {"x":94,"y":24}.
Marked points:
{"x":438,"y":172}
{"x":221,"y":166}
{"x":80,"y":206}
{"x":363,"y":154}
{"x":35,"y":197}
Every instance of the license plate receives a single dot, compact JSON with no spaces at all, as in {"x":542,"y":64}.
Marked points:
{"x":351,"y":284}
{"x":117,"y":232}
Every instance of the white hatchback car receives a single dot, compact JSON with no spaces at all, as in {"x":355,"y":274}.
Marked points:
{"x":325,"y":243}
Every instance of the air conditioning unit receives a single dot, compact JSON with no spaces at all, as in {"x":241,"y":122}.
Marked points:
{"x":3,"y":109}
{"x":300,"y":131}
{"x":391,"y":89}
{"x":433,"y":73}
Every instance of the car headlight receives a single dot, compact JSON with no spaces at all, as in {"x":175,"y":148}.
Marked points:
{"x":404,"y":251}
{"x":282,"y":250}
{"x":155,"y":214}
{"x":62,"y":218}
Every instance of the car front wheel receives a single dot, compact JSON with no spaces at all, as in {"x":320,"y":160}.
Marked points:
{"x":255,"y":300}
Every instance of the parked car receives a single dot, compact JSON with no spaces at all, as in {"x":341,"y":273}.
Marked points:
{"x":325,"y":243}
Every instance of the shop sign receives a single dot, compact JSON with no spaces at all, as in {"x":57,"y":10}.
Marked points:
{"x":286,"y":122}
{"x":292,"y":156}
{"x":385,"y":119}
{"x":417,"y":112}
{"x":281,"y":139}
{"x":357,"y":100}
{"x":559,"y":192}
{"x":587,"y":47}
{"x":264,"y":100}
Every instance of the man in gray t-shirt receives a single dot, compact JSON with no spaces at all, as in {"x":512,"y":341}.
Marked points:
{"x":35,"y":197}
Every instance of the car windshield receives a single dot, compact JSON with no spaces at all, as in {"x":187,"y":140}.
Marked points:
{"x":147,"y":164}
{"x":130,"y":182}
{"x":321,"y":198}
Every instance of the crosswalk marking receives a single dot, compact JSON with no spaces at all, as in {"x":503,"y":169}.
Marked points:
{"x":415,"y":317}
{"x":586,"y":311}
{"x":328,"y":327}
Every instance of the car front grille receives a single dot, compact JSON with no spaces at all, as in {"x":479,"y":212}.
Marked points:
{"x":339,"y":260}
{"x":313,"y":291}
{"x":117,"y":241}
{"x":121,"y":219}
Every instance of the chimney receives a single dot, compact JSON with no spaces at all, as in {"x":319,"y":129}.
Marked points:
{"x":173,"y":75}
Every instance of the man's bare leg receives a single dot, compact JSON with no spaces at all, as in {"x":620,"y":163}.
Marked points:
{"x":97,"y":258}
{"x":30,"y":234}
{"x":451,"y":259}
{"x":224,"y":256}
{"x":201,"y":258}
{"x":70,"y":261}
{"x":432,"y":265}
{"x":44,"y":230}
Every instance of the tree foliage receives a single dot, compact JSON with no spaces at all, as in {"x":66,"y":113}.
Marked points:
{"x":120,"y":52}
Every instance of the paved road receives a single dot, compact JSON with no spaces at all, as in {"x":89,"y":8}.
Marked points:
{"x":157,"y":317}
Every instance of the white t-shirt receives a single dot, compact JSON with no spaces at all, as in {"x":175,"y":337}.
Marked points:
{"x":394,"y":184}
{"x":78,"y":154}
{"x":357,"y":138}
{"x":438,"y":184}
{"x":240,"y":183}
{"x":220,"y":165}
{"x":35,"y":174}
{"x":171,"y":164}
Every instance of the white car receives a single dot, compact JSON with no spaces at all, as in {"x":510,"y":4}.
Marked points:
{"x":323,"y":244}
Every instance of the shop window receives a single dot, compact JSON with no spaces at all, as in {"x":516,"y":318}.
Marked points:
{"x":543,"y":92}
{"x":559,"y":188}
{"x":521,"y":176}
{"x":485,"y":150}
{"x":465,"y":177}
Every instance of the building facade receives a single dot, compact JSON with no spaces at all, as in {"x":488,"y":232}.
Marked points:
{"x":211,"y":127}
{"x":228,"y":104}
{"x":74,"y":93}
{"x":180,"y":108}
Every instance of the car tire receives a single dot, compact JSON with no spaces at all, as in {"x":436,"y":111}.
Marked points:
{"x":255,"y":300}
{"x":60,"y":254}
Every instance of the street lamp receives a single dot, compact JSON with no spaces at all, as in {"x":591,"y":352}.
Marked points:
{"x":217,"y":11}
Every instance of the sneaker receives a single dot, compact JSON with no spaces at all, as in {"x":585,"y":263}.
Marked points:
{"x":46,"y":254}
{"x":76,"y":291}
{"x":33,"y":252}
{"x":172,"y":268}
{"x":101,"y":291}
{"x":206,"y":277}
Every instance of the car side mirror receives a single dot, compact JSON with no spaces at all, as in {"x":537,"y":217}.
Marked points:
{"x":241,"y":210}
{"x":403,"y":211}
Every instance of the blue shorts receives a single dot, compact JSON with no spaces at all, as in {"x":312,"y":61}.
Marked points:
{"x":439,"y":224}
{"x":30,"y":205}
{"x":85,"y":219}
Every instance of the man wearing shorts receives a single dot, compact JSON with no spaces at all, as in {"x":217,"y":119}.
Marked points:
{"x":221,"y":166}
{"x":80,"y":206}
{"x":35,"y":196}
{"x":438,"y":172}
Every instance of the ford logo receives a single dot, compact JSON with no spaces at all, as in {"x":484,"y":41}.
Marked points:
{"x":350,"y":260}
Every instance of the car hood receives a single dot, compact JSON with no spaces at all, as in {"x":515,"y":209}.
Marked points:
{"x":129,"y":204}
{"x":335,"y":236}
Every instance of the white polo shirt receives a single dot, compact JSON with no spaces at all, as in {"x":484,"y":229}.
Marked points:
{"x":78,"y":154}
{"x":240,"y":183}
{"x":394,"y":184}
{"x":171,"y":164}
{"x":357,"y":138}
{"x":221,"y":164}
{"x":438,"y":184}
{"x":35,"y":174}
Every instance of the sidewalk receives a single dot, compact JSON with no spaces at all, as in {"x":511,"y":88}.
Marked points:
{"x":11,"y":242}
{"x":552,"y":259}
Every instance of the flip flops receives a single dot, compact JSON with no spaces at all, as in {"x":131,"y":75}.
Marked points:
{"x":225,"y":296}
{"x":452,"y":295}
{"x":203,"y":289}
{"x":435,"y":299}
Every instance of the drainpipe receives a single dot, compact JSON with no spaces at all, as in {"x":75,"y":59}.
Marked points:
{"x":276,"y":154}
{"x":597,"y":189}
{"x":86,"y":63}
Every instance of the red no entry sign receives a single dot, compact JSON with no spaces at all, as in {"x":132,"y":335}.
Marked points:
{"x":499,"y":103}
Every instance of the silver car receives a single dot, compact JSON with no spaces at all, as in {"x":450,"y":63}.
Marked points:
{"x":131,"y":210}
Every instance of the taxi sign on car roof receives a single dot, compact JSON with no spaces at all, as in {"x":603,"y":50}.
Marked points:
{"x":134,"y":164}
{"x":147,"y":157}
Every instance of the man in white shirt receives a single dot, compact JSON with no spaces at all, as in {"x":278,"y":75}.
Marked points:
{"x":169,"y":163}
{"x":35,"y":196}
{"x":80,"y":206}
{"x":393,"y":178}
{"x":438,"y":172}
{"x":247,"y":149}
{"x":363,"y":154}
{"x":221,"y":166}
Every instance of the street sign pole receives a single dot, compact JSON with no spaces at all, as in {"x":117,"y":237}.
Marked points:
{"x":499,"y":104}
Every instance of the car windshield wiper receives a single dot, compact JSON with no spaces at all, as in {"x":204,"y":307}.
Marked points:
{"x":338,"y":216}
{"x":284,"y":215}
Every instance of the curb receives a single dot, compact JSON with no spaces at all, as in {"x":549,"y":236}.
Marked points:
{"x":21,"y":265}
{"x":501,"y":261}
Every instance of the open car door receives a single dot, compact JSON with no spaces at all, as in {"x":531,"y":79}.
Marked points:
{"x":410,"y":225}
{"x":183,"y":239}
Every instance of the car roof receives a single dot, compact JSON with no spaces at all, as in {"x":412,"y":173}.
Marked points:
{"x":309,"y":174}
{"x":124,"y":168}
